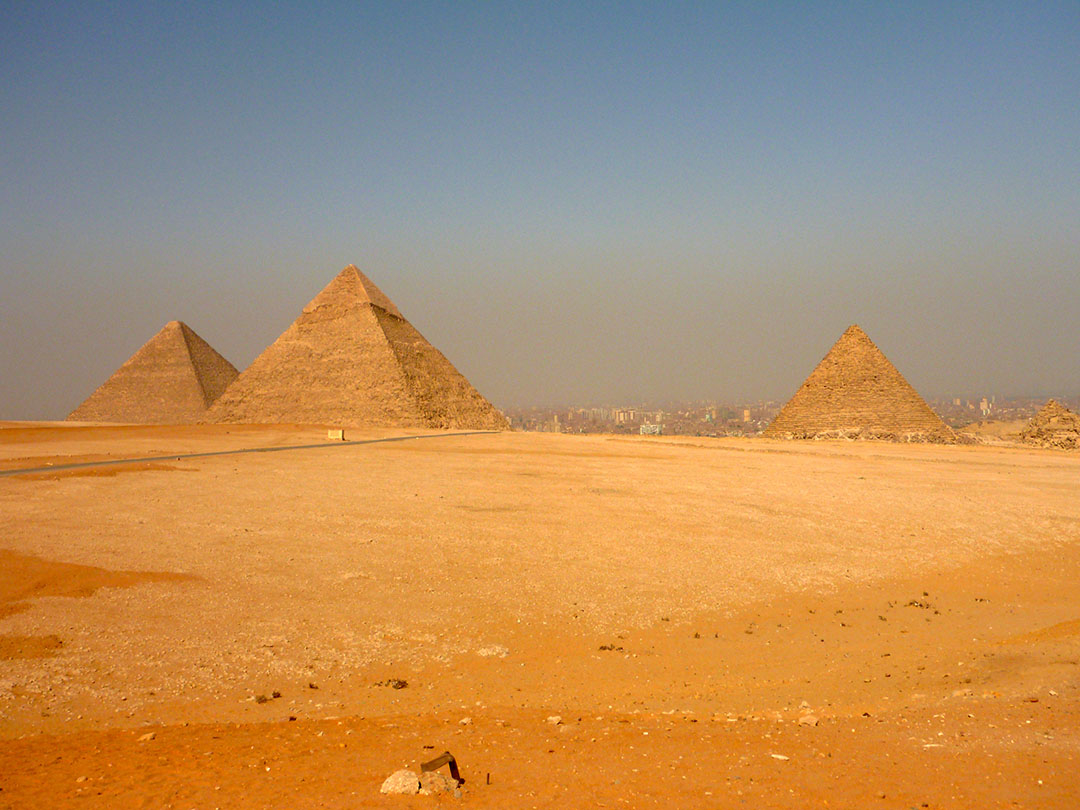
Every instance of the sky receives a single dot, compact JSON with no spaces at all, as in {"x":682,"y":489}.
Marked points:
{"x":578,"y":203}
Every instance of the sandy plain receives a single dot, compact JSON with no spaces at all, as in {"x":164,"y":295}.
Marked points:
{"x":679,"y":603}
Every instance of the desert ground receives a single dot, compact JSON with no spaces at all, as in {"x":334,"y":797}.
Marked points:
{"x":581,"y":621}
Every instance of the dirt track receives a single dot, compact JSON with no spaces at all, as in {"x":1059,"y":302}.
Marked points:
{"x":923,"y":601}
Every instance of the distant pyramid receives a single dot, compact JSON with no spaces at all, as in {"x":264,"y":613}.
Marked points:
{"x":172,"y":379}
{"x":855,"y":392}
{"x":352,"y":359}
{"x":1053,"y":426}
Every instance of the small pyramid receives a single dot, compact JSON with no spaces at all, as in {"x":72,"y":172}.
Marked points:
{"x":172,"y":379}
{"x":1053,"y":426}
{"x":855,"y":392}
{"x":351,"y":359}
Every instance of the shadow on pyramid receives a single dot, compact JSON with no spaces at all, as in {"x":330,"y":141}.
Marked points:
{"x":351,"y":359}
{"x":856,"y":393}
{"x":171,"y":380}
{"x":1053,"y":426}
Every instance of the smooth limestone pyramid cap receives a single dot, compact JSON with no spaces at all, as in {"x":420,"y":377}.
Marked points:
{"x":351,"y":288}
{"x":172,"y":379}
{"x":351,"y":359}
{"x":855,"y":392}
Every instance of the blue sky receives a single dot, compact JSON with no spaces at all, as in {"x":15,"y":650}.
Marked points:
{"x":575,"y":202}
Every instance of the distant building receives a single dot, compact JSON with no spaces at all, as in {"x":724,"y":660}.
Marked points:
{"x":651,"y":430}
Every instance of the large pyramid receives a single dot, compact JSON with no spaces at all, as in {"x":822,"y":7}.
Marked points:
{"x":172,"y":379}
{"x":855,"y":392}
{"x":1053,"y":426}
{"x":351,"y":359}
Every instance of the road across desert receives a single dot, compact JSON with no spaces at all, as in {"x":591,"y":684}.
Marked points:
{"x":52,"y":467}
{"x":582,"y":621}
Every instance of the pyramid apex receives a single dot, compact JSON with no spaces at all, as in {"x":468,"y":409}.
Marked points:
{"x":351,"y":286}
{"x":1052,"y":408}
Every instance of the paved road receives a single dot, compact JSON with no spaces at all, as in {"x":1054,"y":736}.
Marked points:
{"x":181,"y":457}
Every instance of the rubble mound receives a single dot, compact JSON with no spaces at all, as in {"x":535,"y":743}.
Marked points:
{"x":1053,"y":426}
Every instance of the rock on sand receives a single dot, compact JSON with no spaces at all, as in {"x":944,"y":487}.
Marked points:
{"x":403,"y":781}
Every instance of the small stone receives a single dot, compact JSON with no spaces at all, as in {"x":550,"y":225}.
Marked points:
{"x":555,"y":719}
{"x":434,"y":782}
{"x":808,"y":720}
{"x":781,"y":757}
{"x":404,"y":781}
{"x":465,"y":721}
{"x":81,"y":779}
{"x":147,"y":737}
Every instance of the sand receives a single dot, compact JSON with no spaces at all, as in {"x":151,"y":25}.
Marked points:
{"x":679,"y":603}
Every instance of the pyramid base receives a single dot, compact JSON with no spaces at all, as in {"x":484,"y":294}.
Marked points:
{"x":865,"y":434}
{"x":1053,"y":440}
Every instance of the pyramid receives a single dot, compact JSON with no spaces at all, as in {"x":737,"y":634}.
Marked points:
{"x":855,"y":392}
{"x":351,"y":359}
{"x":1053,"y":426}
{"x":172,"y":379}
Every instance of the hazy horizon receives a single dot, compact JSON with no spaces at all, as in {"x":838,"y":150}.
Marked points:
{"x":601,"y":204}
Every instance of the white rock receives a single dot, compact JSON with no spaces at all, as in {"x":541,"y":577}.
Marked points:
{"x":403,"y":781}
{"x":555,"y":719}
{"x":780,"y":757}
{"x":147,"y":736}
{"x":465,"y":721}
{"x":808,"y":720}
